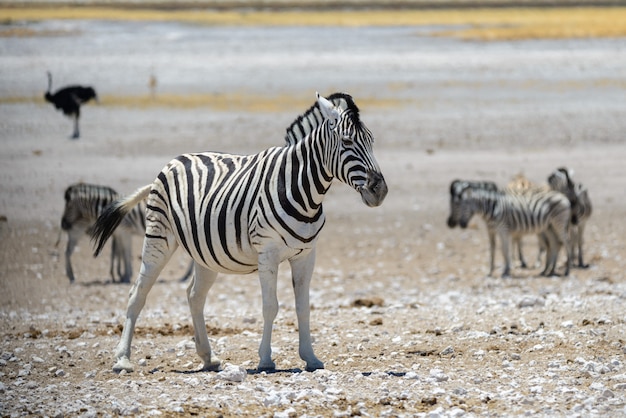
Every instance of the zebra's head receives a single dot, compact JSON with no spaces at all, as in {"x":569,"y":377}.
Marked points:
{"x":461,"y":205}
{"x":349,"y":151}
{"x":561,"y":181}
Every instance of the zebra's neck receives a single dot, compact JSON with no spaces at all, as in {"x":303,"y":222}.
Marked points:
{"x":488,"y":204}
{"x":304,"y":173}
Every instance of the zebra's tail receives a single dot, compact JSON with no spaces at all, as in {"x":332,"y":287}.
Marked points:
{"x":112,"y":216}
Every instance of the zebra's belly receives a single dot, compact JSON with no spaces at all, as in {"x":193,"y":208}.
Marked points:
{"x":231,"y":256}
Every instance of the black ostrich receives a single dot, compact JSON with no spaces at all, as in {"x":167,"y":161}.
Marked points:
{"x":69,"y":99}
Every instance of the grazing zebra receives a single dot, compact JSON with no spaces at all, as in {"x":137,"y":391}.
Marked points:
{"x":244,"y":213}
{"x":83,"y":204}
{"x":511,"y":215}
{"x":560,"y":180}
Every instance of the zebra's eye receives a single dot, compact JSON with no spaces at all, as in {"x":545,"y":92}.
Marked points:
{"x":347,"y":140}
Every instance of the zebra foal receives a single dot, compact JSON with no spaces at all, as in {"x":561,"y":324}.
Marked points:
{"x":560,"y":180}
{"x":510,"y":215}
{"x":244,"y":213}
{"x":83,"y":204}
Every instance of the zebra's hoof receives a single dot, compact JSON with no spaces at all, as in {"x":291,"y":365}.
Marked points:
{"x":266,"y":367}
{"x":214,"y":365}
{"x":311,"y":367}
{"x":123,"y":364}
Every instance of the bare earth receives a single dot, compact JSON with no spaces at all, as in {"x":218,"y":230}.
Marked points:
{"x":403,"y":314}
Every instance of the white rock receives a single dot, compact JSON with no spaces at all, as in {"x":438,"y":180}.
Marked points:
{"x":438,"y":375}
{"x":531,"y":301}
{"x":232,"y":373}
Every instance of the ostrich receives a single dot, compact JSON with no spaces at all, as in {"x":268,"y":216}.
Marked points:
{"x":69,"y":99}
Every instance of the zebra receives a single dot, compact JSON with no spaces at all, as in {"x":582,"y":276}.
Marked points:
{"x":522,"y":185}
{"x":510,"y":215}
{"x":560,"y":180}
{"x":492,"y":186}
{"x":83,"y":204}
{"x":239,"y":214}
{"x":295,"y":132}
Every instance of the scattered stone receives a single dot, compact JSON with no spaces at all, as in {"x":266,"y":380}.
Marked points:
{"x":447,"y":351}
{"x":531,"y":301}
{"x":232,"y":373}
{"x":369,"y":302}
{"x":376,"y":321}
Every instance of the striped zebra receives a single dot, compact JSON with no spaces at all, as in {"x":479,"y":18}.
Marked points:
{"x":244,"y":213}
{"x":522,"y":185}
{"x":511,"y":215}
{"x":492,"y":186}
{"x":560,"y":180}
{"x":83,"y":204}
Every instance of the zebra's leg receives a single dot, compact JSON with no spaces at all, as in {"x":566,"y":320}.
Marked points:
{"x":542,"y":245}
{"x":117,"y":259}
{"x":157,"y":250}
{"x":72,"y":239}
{"x":492,"y":251}
{"x":197,"y":290}
{"x":113,"y":258}
{"x":302,"y":271}
{"x":551,"y":242}
{"x":579,"y":240}
{"x":520,"y":254}
{"x":268,"y":275}
{"x":124,"y":256}
{"x":563,"y":234}
{"x":506,"y":239}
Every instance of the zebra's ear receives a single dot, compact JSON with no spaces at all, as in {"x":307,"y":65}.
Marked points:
{"x":328,"y":110}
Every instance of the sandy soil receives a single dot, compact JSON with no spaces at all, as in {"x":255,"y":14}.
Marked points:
{"x":403,"y":314}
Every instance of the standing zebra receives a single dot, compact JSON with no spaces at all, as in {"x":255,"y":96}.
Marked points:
{"x":83,"y":204}
{"x":295,"y":132}
{"x":239,"y":214}
{"x":560,"y":180}
{"x":510,"y":215}
{"x":520,"y":184}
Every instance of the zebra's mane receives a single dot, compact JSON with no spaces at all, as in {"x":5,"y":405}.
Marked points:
{"x":312,"y":118}
{"x":457,"y":187}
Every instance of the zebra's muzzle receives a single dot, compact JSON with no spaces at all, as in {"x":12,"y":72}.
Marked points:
{"x":452,"y":222}
{"x":375,"y":189}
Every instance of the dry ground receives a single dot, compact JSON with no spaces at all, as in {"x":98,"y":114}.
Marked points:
{"x":403,"y":314}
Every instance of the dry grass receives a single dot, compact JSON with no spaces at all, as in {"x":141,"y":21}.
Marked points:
{"x":240,"y":101}
{"x":472,"y":24}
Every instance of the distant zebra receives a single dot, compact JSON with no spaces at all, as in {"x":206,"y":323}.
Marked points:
{"x":244,"y":213}
{"x":518,"y":185}
{"x":83,"y":204}
{"x":510,"y":215}
{"x":522,"y":185}
{"x":560,"y":180}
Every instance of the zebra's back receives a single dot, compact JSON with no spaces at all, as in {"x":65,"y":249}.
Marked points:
{"x":527,"y":213}
{"x":205,"y":197}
